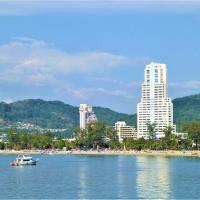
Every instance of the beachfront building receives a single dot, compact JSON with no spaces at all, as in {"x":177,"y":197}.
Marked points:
{"x":125,"y":131}
{"x":87,"y":115}
{"x":155,"y":106}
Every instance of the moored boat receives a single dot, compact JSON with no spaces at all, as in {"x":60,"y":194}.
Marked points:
{"x":23,"y":160}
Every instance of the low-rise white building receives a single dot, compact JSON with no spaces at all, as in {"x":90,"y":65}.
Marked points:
{"x":125,"y":131}
{"x":183,"y":135}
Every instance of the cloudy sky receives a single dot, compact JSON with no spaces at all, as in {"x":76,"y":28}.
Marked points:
{"x":95,"y":51}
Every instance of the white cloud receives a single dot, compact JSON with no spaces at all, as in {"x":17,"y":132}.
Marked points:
{"x":191,"y":85}
{"x":31,"y":64}
{"x":8,"y":101}
{"x":131,"y":85}
{"x":35,"y":62}
{"x":87,"y":93}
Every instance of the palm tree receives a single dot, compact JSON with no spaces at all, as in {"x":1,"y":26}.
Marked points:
{"x":168,"y":131}
{"x":151,"y":127}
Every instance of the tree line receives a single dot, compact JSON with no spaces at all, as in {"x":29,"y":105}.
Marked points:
{"x":99,"y":136}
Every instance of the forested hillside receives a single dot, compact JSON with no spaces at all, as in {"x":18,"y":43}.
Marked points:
{"x":58,"y":115}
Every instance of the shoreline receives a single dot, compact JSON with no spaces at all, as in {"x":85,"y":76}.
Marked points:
{"x":106,"y":152}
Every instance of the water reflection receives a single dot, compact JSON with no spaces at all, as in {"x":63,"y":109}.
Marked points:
{"x":120,"y":176}
{"x":83,"y":170}
{"x":153,"y":178}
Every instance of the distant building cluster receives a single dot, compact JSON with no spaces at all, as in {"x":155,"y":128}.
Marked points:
{"x":87,"y":115}
{"x":33,"y":127}
{"x":155,"y":107}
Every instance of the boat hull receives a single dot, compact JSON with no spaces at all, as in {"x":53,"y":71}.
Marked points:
{"x":28,"y":163}
{"x":14,"y":164}
{"x":22,"y":161}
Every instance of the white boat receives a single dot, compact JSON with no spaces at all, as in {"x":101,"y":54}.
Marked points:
{"x":23,"y":160}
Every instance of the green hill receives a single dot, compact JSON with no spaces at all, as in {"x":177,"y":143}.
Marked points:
{"x":110,"y":117}
{"x":58,"y":115}
{"x":46,"y":114}
{"x":186,"y":109}
{"x":52,"y":114}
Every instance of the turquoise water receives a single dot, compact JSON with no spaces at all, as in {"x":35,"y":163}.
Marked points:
{"x":101,"y":177}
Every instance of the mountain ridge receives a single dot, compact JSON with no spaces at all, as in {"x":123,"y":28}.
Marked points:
{"x":59,"y":115}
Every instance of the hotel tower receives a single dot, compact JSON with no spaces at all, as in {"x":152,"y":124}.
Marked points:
{"x":155,"y":106}
{"x":87,"y":115}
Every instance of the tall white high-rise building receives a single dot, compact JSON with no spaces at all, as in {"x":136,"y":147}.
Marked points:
{"x":87,"y":115}
{"x":155,"y":106}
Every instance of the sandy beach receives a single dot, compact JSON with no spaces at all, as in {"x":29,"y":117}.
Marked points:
{"x":106,"y":152}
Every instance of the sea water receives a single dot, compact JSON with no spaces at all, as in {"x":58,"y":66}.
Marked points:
{"x":101,"y":177}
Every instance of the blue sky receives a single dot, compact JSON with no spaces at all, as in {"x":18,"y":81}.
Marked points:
{"x":95,"y":51}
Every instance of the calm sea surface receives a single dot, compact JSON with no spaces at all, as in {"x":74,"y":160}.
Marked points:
{"x":101,"y":177}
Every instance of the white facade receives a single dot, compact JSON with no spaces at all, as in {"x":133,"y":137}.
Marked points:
{"x":155,"y":106}
{"x":87,"y":115}
{"x":125,"y":131}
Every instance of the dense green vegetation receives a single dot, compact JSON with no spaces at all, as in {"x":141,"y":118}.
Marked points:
{"x":95,"y":136}
{"x":56,"y":114}
{"x":109,"y":116}
{"x":186,"y":110}
{"x":193,"y":130}
{"x":20,"y":140}
{"x":190,"y":141}
{"x":99,"y":136}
